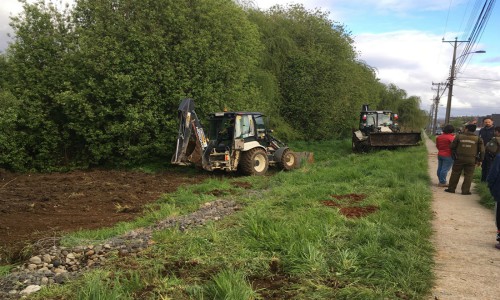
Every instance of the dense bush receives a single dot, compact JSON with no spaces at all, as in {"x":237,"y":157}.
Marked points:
{"x":99,"y":83}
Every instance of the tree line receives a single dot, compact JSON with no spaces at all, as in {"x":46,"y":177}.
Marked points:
{"x":99,"y":82}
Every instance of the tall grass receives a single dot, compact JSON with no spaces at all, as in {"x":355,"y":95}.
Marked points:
{"x":482,"y":189}
{"x":285,"y":243}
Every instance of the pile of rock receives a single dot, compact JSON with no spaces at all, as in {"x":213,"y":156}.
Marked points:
{"x":57,"y":265}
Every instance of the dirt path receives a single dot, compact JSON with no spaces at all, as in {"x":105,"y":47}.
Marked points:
{"x":467,"y":262}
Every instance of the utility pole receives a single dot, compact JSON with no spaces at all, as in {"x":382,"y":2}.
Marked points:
{"x":452,"y":77}
{"x":436,"y":105}
{"x":431,"y":112}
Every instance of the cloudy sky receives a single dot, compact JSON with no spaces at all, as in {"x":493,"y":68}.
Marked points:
{"x":403,"y":40}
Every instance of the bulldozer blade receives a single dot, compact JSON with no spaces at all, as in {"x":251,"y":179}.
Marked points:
{"x":394,"y":139}
{"x":303,"y":158}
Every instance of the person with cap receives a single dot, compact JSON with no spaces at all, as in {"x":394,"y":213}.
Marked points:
{"x":468,"y":152}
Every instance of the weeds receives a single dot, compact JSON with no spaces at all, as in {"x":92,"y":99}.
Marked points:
{"x":229,"y":285}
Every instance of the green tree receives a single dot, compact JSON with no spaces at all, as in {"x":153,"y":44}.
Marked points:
{"x":314,"y":62}
{"x":101,"y":83}
{"x":37,"y":60}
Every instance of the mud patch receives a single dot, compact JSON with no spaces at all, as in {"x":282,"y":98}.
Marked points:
{"x":350,"y":205}
{"x":358,"y":212}
{"x":275,"y":287}
{"x":240,"y":184}
{"x":351,"y":198}
{"x":35,"y":206}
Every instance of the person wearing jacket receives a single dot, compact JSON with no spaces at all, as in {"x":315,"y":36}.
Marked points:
{"x":493,"y":180}
{"x":469,"y":150}
{"x":486,"y":133}
{"x":444,"y":154}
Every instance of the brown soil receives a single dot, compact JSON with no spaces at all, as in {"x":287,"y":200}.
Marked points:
{"x":350,"y":205}
{"x":37,"y":206}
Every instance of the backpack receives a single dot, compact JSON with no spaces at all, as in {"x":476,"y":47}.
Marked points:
{"x":492,"y":146}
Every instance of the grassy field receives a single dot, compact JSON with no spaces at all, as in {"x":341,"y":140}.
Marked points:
{"x":286,"y":243}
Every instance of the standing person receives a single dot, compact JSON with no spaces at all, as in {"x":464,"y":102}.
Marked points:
{"x":492,"y":148}
{"x":486,"y":133}
{"x":469,"y":150}
{"x":444,"y":154}
{"x":493,"y":180}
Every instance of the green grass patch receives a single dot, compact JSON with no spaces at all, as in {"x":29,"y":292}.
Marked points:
{"x":484,"y":192}
{"x":4,"y":270}
{"x":294,"y":238}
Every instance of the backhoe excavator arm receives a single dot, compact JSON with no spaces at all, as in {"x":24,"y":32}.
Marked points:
{"x":191,"y":140}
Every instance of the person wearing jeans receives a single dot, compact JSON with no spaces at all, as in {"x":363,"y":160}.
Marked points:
{"x":445,"y":161}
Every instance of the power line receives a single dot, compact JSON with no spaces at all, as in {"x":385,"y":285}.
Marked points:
{"x":477,"y":30}
{"x":470,"y":42}
{"x":473,"y":89}
{"x":447,"y":18}
{"x":472,"y":78}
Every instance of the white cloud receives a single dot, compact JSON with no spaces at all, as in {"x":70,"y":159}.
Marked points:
{"x":413,"y":60}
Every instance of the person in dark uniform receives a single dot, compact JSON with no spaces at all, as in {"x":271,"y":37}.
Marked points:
{"x":469,"y":153}
{"x":486,"y":133}
{"x":493,"y":181}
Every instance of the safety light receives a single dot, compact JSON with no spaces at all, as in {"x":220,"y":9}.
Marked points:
{"x":364,"y":117}
{"x":226,"y":157}
{"x":396,"y":116}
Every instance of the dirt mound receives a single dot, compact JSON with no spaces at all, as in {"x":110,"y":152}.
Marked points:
{"x":37,"y":206}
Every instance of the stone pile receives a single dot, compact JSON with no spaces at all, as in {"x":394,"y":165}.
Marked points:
{"x":57,"y":265}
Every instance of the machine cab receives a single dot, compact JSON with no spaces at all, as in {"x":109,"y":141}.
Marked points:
{"x":233,"y":129}
{"x":378,"y":121}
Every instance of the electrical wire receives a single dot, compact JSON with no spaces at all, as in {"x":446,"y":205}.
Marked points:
{"x":476,"y":31}
{"x":447,"y":18}
{"x":485,"y":79}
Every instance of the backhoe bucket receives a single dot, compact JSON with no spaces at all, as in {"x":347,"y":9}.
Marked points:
{"x":394,"y":139}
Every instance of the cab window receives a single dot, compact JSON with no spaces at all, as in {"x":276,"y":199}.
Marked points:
{"x":244,"y":126}
{"x":260,"y":126}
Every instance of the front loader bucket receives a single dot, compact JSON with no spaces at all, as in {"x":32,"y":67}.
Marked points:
{"x":394,"y":139}
{"x":303,"y":158}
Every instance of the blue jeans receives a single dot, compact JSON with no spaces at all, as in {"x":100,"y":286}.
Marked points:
{"x":444,"y":166}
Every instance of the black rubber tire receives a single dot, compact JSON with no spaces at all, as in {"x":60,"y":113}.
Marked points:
{"x":288,"y":160}
{"x":254,"y":162}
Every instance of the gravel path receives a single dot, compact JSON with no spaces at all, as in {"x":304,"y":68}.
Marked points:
{"x":57,"y":265}
{"x":467,"y":262}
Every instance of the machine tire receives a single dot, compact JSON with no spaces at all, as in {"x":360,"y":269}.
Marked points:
{"x":288,"y":160}
{"x":254,"y":162}
{"x":359,"y":147}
